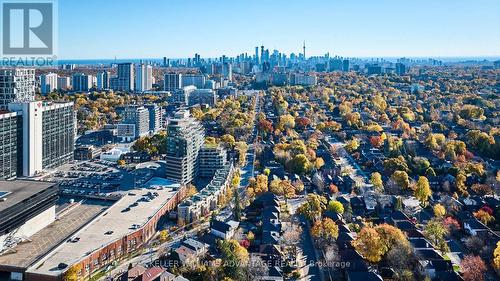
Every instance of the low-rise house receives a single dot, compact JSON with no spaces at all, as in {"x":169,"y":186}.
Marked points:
{"x":223,"y":230}
{"x":151,"y":274}
{"x":133,"y":273}
{"x":475,"y":227}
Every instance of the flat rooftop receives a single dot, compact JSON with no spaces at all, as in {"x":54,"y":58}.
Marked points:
{"x":42,"y":242}
{"x":16,"y":191}
{"x":118,"y":219}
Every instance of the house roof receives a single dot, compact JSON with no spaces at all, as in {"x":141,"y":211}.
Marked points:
{"x":150,"y":274}
{"x":135,"y":271}
{"x":220,"y":226}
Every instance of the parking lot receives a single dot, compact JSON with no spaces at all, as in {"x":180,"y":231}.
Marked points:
{"x":97,"y":178}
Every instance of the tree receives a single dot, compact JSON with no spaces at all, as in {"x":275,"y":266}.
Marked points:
{"x":423,"y":190}
{"x":191,"y":190}
{"x":336,"y":207}
{"x":369,"y":244}
{"x":374,"y":242}
{"x":228,"y":140}
{"x":72,"y":273}
{"x":164,"y":236}
{"x":439,"y":211}
{"x":376,"y":180}
{"x":286,"y":122}
{"x":496,"y":257}
{"x":121,"y":163}
{"x":401,"y":179}
{"x":483,"y":216}
{"x":325,"y":231}
{"x":237,"y":206}
{"x":256,"y":268}
{"x":436,"y":232}
{"x":473,"y":268}
{"x":234,"y":257}
{"x":299,"y":164}
{"x":352,"y":145}
{"x":313,"y":207}
{"x":460,"y":184}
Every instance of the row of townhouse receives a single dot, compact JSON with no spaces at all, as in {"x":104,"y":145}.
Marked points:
{"x":208,"y":198}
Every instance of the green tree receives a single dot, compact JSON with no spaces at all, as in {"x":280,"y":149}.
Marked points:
{"x":376,"y":180}
{"x":336,"y":207}
{"x":313,"y":208}
{"x":423,"y":190}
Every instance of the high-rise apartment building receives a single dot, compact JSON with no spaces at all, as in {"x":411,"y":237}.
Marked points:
{"x":103,"y":80}
{"x":82,"y":82}
{"x":48,"y":134}
{"x":155,"y":117}
{"x":227,"y":71}
{"x":400,"y":68}
{"x":172,"y":81}
{"x":143,"y":77}
{"x":185,"y":137}
{"x":48,"y":83}
{"x":197,"y":80}
{"x":202,"y":96}
{"x":63,"y":83}
{"x":16,"y":85}
{"x":124,"y":81}
{"x":10,"y":144}
{"x":135,"y":123}
{"x":210,"y":159}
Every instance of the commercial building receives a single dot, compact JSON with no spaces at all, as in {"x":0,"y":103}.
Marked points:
{"x":184,"y":139}
{"x":103,"y":80}
{"x":172,"y":81}
{"x":48,"y":83}
{"x":81,"y":82}
{"x":25,"y":208}
{"x":86,"y":152}
{"x":16,"y":85}
{"x":210,"y":159}
{"x":143,"y":77}
{"x":202,"y":96}
{"x":124,"y":81}
{"x":10,"y":145}
{"x":112,"y":235}
{"x":135,"y":123}
{"x":48,"y":134}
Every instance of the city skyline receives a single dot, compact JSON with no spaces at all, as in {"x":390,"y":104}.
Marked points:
{"x":179,"y":30}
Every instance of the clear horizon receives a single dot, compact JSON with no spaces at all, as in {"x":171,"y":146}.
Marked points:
{"x":179,"y":29}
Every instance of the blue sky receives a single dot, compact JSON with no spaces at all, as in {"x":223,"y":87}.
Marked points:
{"x":364,"y":28}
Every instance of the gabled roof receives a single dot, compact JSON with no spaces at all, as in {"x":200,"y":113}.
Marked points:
{"x":150,"y":274}
{"x":220,"y":226}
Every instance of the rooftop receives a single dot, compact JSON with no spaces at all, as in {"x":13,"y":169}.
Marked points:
{"x":118,"y":221}
{"x":13,"y":192}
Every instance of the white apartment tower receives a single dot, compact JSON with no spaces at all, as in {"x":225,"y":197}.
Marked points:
{"x":48,"y":83}
{"x":143,"y":77}
{"x":16,"y":84}
{"x":48,"y":134}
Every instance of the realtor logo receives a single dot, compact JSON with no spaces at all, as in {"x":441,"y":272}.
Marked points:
{"x":28,"y":32}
